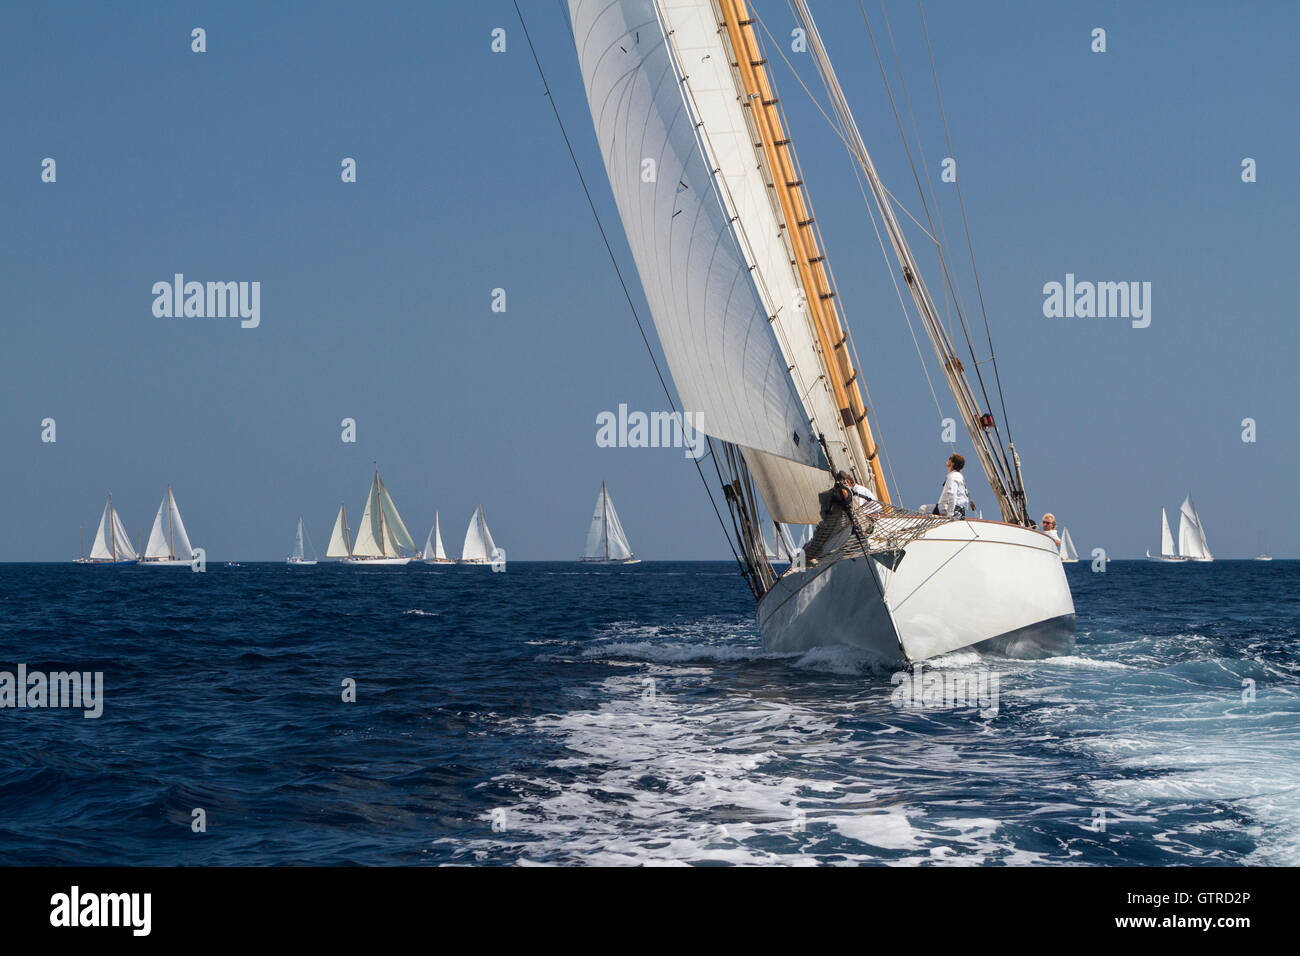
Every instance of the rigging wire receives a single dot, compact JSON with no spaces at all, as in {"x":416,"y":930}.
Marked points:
{"x":962,"y":204}
{"x":871,"y":214}
{"x":622,"y":282}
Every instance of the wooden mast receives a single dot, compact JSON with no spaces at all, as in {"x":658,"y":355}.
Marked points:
{"x":810,"y":262}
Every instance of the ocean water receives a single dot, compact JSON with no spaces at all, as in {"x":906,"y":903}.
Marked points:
{"x":556,"y":714}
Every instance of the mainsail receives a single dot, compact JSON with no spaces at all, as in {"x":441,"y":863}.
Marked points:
{"x":713,"y":324}
{"x":340,"y":538}
{"x":605,"y":538}
{"x":1191,"y":535}
{"x":1166,"y":536}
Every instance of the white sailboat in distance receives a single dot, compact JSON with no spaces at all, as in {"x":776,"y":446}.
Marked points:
{"x":1191,"y":537}
{"x":382,"y":538}
{"x":479,"y":547}
{"x":299,"y":556}
{"x":756,"y":339}
{"x":434,"y":553}
{"x":112,"y":544}
{"x":1191,"y":533}
{"x":1068,"y":554}
{"x":169,"y":545}
{"x":606,"y":541}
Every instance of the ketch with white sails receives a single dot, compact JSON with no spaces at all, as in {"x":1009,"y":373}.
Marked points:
{"x":112,"y":544}
{"x":169,"y":545}
{"x":606,"y":541}
{"x":749,"y":320}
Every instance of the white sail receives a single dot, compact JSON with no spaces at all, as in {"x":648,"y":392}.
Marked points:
{"x":1191,"y":536}
{"x":475,"y":548}
{"x":298,"y":553}
{"x":158,"y":546}
{"x":439,"y":553}
{"x":340,"y":545}
{"x":605,"y":538}
{"x":180,"y":540}
{"x":1166,"y":537}
{"x":790,"y":490}
{"x":1067,"y":546}
{"x":713,"y":325}
{"x":426,"y":553}
{"x":125,"y":549}
{"x":102,"y":549}
{"x":478,"y":539}
{"x":394,"y":527}
{"x":370,"y":533}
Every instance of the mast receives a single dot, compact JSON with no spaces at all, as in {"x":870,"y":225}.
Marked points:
{"x":347,"y":532}
{"x":112,"y":526}
{"x":799,"y":225}
{"x":604,"y":519}
{"x":1003,"y":472}
{"x":379,"y":500}
{"x":82,"y":532}
{"x":171,"y":505}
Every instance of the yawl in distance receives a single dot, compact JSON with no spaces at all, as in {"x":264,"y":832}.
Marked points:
{"x":606,"y":542}
{"x":169,"y":545}
{"x":1191,"y":536}
{"x":112,"y":544}
{"x":749,"y":320}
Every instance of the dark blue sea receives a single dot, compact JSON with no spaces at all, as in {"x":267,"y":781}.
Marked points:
{"x":557,"y":714}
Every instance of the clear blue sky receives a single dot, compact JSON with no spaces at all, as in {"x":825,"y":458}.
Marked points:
{"x":376,"y":295}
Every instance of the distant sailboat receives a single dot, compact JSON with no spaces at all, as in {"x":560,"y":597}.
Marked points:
{"x":1068,"y":554}
{"x":340,"y":545}
{"x":606,"y":542}
{"x":382,"y":537}
{"x":1191,"y":537}
{"x":112,"y":543}
{"x":1191,"y":534}
{"x":479,"y":546}
{"x":169,"y":545}
{"x":433,"y":550}
{"x":299,"y":556}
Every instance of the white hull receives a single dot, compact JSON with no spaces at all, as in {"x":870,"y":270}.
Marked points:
{"x":166,"y":562}
{"x":609,"y":560}
{"x":1264,"y":557}
{"x":983,"y":584}
{"x":299,"y":561}
{"x":137,"y":561}
{"x":377,"y":562}
{"x":439,"y":561}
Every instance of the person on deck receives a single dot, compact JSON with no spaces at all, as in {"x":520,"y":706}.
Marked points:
{"x":954,"y":501}
{"x":1049,"y":527}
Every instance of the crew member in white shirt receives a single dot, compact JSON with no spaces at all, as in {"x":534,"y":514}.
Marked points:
{"x":1049,"y":527}
{"x":954,"y":490}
